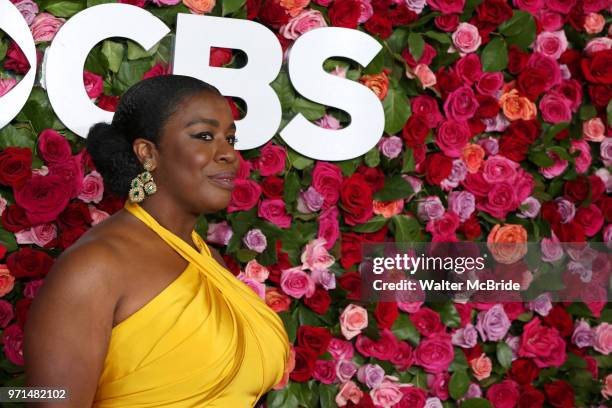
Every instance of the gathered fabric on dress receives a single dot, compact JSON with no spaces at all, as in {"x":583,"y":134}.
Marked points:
{"x":206,"y":340}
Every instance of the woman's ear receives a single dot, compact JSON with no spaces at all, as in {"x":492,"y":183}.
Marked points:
{"x":145,"y":150}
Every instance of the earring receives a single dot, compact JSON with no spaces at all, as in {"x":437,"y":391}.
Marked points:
{"x":143,"y":184}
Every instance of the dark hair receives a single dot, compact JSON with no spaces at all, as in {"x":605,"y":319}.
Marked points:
{"x":142,"y":112}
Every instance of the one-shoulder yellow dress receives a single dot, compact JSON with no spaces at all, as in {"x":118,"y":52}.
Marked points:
{"x":206,"y":340}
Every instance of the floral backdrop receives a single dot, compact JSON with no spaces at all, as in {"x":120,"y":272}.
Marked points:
{"x":497,"y":129}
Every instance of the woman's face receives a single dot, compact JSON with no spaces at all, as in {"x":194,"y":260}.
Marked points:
{"x":197,"y":162}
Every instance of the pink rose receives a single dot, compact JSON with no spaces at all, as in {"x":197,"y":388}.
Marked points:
{"x":452,"y":136}
{"x":481,"y":367}
{"x":603,"y":338}
{"x":328,"y":122}
{"x":245,"y":195}
{"x":272,"y":160}
{"x":606,"y":391}
{"x":388,"y":393}
{"x":43,"y":198}
{"x":435,"y":353}
{"x":257,"y":271}
{"x":353,"y":320}
{"x":315,"y":256}
{"x":219,"y":233}
{"x":93,"y":84}
{"x":32,"y":288}
{"x":556,"y":169}
{"x":40,"y":234}
{"x":490,"y":83}
{"x":551,"y":44}
{"x":244,"y":169}
{"x":425,"y":75}
{"x":555,"y":108}
{"x":560,"y":6}
{"x":257,"y":287}
{"x":594,"y":130}
{"x":53,"y":147}
{"x":296,"y":283}
{"x":427,"y":107}
{"x":447,"y":6}
{"x":6,"y":313}
{"x":504,"y":394}
{"x":325,"y":371}
{"x":390,"y":147}
{"x":12,"y":339}
{"x":583,"y":161}
{"x":97,"y":216}
{"x":326,"y":179}
{"x":349,"y":391}
{"x":543,"y":344}
{"x":45,"y":26}
{"x":329,"y":228}
{"x":93,"y":188}
{"x":466,"y":38}
{"x":6,"y":85}
{"x":549,"y":65}
{"x":166,"y":2}
{"x":499,"y":168}
{"x":532,"y":6}
{"x":273,"y":210}
{"x":303,"y":22}
{"x":461,"y":104}
{"x":340,"y":349}
{"x":7,"y":280}
{"x":594,"y":23}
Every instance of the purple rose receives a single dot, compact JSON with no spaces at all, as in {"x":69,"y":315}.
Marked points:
{"x":390,"y":147}
{"x":370,"y":375}
{"x":28,"y":9}
{"x":309,"y":201}
{"x":465,"y":337}
{"x":255,"y":240}
{"x":583,"y":335}
{"x":345,"y":370}
{"x":220,"y":233}
{"x":530,"y":208}
{"x":566,"y":209}
{"x":430,"y":208}
{"x":462,"y":203}
{"x":493,"y":324}
{"x":541,"y":305}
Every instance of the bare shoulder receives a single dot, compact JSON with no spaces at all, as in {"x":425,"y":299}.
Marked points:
{"x":215,"y":253}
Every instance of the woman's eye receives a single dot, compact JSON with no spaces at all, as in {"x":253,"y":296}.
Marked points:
{"x":204,"y":136}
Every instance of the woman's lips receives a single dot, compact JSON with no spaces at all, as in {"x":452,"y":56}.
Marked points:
{"x":223,"y":180}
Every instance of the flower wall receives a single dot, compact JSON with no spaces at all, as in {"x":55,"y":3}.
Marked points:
{"x":497,"y":128}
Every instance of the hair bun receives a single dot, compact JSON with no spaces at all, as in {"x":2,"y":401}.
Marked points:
{"x":113,"y":156}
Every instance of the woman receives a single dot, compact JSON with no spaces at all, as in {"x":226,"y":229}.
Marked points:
{"x":139,"y":311}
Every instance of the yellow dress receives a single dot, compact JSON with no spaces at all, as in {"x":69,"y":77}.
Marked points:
{"x":206,"y":340}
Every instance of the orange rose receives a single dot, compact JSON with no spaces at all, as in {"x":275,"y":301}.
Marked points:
{"x":517,"y":107}
{"x":472,"y":155}
{"x":276,"y":300}
{"x":7,"y":280}
{"x":294,"y":7}
{"x":200,"y":6}
{"x":378,"y":83}
{"x":288,"y":369}
{"x":388,"y":208}
{"x":508,"y":243}
{"x":481,"y":367}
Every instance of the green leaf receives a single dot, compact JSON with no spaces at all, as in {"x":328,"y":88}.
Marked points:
{"x":609,"y":112}
{"x":377,"y":64}
{"x":231,"y":6}
{"x":520,"y":30}
{"x":372,"y":225}
{"x":406,"y":229}
{"x":284,"y":90}
{"x":135,"y":51}
{"x":310,"y":110}
{"x":587,"y":112}
{"x":449,"y":315}
{"x":20,"y":137}
{"x":282,"y":399}
{"x":113,"y":52}
{"x":395,"y":188}
{"x":416,"y":44}
{"x":540,"y":158}
{"x":38,"y":111}
{"x":372,"y":157}
{"x":552,"y":131}
{"x":297,"y":160}
{"x":495,"y":56}
{"x":65,"y":8}
{"x":476,"y":403}
{"x":504,"y":355}
{"x":458,"y":384}
{"x":397,"y":110}
{"x":560,"y":151}
{"x":3,"y":49}
{"x":7,"y":239}
{"x":403,"y":329}
{"x":438,"y":36}
{"x":327,"y":395}
{"x":292,"y":186}
{"x":408,"y":163}
{"x":130,"y":73}
{"x":397,"y":41}
{"x":91,"y":3}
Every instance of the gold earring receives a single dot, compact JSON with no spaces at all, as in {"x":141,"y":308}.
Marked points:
{"x":143,"y":184}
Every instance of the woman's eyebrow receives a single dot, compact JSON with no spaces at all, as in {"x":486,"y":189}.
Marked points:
{"x":212,"y":122}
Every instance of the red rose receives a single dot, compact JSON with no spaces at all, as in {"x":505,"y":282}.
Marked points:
{"x":158,"y":69}
{"x":304,"y":364}
{"x":403,"y":357}
{"x":272,"y":160}
{"x":379,"y":25}
{"x":569,"y":232}
{"x":447,"y":22}
{"x":414,"y":397}
{"x":590,"y":218}
{"x":29,"y":263}
{"x":560,"y":394}
{"x":22,"y":306}
{"x":108,"y":103}
{"x":245,"y":195}
{"x":273,"y":187}
{"x":531,"y":82}
{"x":523,"y":371}
{"x":273,"y":14}
{"x":16,"y":60}
{"x":437,"y":168}
{"x":314,"y":338}
{"x":514,"y":146}
{"x":326,"y":179}
{"x":373,"y":176}
{"x":577,"y":190}
{"x":560,"y":320}
{"x":530,"y":398}
{"x":543,"y":344}
{"x":43,"y":197}
{"x":401,"y":15}
{"x":600,"y":95}
{"x":350,"y":249}
{"x":493,"y":11}
{"x":70,"y":236}
{"x":598,"y":68}
{"x":14,"y":219}
{"x":75,"y":215}
{"x":319,"y":301}
{"x":15,"y":166}
{"x":447,"y":82}
{"x":470,"y":228}
{"x":504,"y":394}
{"x":344,"y":13}
{"x":351,"y":282}
{"x":571,"y":58}
{"x":427,"y":321}
{"x":53,"y":147}
{"x":606,"y":208}
{"x":517,"y":59}
{"x":356,"y":198}
{"x":385,"y":314}
{"x":220,"y":56}
{"x":253,"y":7}
{"x":429,"y":53}
{"x":469,"y":68}
{"x":488,"y":107}
{"x":415,"y":130}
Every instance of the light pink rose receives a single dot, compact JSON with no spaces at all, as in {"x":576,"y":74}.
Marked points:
{"x":97,"y":216}
{"x":256,"y":286}
{"x":93,"y":188}
{"x":551,"y":44}
{"x":388,"y":393}
{"x":366,"y":11}
{"x":3,"y":204}
{"x":594,"y":130}
{"x":353,"y":320}
{"x":466,"y":38}
{"x":598,"y":44}
{"x":255,"y":270}
{"x":425,"y":75}
{"x":606,"y":391}
{"x":7,"y":280}
{"x":481,"y":367}
{"x":345,"y":370}
{"x":6,"y":85}
{"x":349,"y":391}
{"x":255,"y":240}
{"x":28,"y":9}
{"x":303,"y":22}
{"x":40,"y":234}
{"x":297,"y":283}
{"x":309,"y":201}
{"x":45,"y":26}
{"x":551,"y":248}
{"x":603,"y":338}
{"x":166,"y":2}
{"x":328,"y":122}
{"x":594,"y":23}
{"x":340,"y":349}
{"x":219,"y":233}
{"x":557,"y":168}
{"x":315,"y":256}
